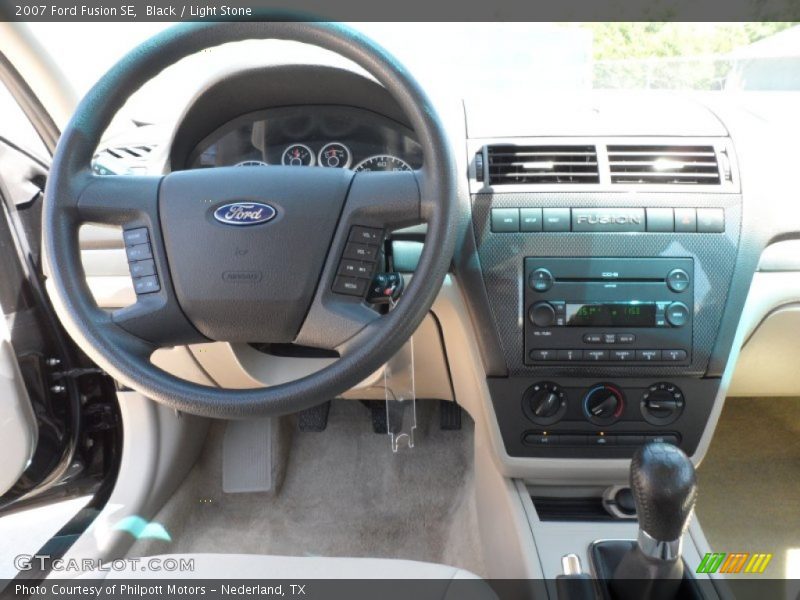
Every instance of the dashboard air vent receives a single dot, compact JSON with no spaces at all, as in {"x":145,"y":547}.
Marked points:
{"x":682,"y":165}
{"x":512,"y":164}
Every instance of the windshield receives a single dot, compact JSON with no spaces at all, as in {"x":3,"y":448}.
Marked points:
{"x":476,"y":59}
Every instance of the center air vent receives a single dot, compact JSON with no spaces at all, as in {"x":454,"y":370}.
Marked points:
{"x":511,"y":164}
{"x":686,"y":165}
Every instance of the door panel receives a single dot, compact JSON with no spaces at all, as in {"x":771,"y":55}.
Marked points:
{"x":18,"y":428}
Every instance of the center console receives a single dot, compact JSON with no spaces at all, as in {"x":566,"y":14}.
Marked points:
{"x":605,"y":295}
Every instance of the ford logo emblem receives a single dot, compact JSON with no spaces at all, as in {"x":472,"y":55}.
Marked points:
{"x":244,"y":213}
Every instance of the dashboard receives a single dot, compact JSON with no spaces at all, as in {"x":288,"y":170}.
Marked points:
{"x":312,"y":136}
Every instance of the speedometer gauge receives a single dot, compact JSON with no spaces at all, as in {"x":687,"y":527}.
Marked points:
{"x":334,"y":155}
{"x":298,"y":155}
{"x":382,"y":162}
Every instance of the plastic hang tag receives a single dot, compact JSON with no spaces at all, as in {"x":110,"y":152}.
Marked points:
{"x":401,"y":411}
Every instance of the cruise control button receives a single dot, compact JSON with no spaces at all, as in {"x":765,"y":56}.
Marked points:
{"x":595,"y":355}
{"x":530,"y":219}
{"x":139,"y":252}
{"x":136,"y":236}
{"x":556,"y":219}
{"x":355,"y":268}
{"x":674,"y":355}
{"x":350,"y":286}
{"x":142,"y":268}
{"x":365,"y":235}
{"x":505,"y":220}
{"x":543,"y":354}
{"x":360,"y":251}
{"x":146,"y":285}
{"x":648,"y":355}
{"x":570,"y":355}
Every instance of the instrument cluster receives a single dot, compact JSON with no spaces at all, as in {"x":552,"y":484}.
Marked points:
{"x":334,"y":137}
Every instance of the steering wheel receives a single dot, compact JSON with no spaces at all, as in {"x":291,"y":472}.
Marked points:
{"x":245,"y":255}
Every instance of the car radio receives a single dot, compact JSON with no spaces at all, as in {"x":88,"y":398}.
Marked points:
{"x":622,"y":310}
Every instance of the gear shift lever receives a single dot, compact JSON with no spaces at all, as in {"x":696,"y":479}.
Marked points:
{"x":664,"y":490}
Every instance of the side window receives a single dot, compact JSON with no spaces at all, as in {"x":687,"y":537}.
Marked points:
{"x":16,"y":128}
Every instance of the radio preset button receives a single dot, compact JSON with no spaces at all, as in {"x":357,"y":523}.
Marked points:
{"x":570,"y":355}
{"x":648,"y":355}
{"x":677,"y":314}
{"x":678,"y":280}
{"x":543,"y":354}
{"x":674,"y":355}
{"x":541,"y":280}
{"x":623,"y":355}
{"x":595,"y":355}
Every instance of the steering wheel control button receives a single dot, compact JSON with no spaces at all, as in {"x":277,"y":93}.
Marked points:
{"x":542,"y":314}
{"x":350,"y":286}
{"x":674,"y":355}
{"x":142,"y":268}
{"x":505,"y":220}
{"x":530,"y":219}
{"x":146,"y":285}
{"x":660,"y":220}
{"x":541,"y":280}
{"x":556,"y":219}
{"x":710,"y":220}
{"x":357,"y":251}
{"x":603,"y":404}
{"x":678,"y":280}
{"x":544,"y":403}
{"x":356,"y":268}
{"x":385,"y":288}
{"x":677,"y":314}
{"x":133,"y":237}
{"x":685,"y":220}
{"x":366,"y":235}
{"x":139,"y":252}
{"x":662,"y":404}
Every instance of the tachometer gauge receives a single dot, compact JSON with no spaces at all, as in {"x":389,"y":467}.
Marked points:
{"x":382,"y":162}
{"x":251,"y":163}
{"x":298,"y":155}
{"x":335,"y":155}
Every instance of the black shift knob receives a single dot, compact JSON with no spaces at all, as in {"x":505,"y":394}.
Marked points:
{"x":664,"y":489}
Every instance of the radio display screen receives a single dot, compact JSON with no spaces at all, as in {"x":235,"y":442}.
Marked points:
{"x":615,"y":314}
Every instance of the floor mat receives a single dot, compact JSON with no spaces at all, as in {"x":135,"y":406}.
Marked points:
{"x":750,"y":482}
{"x":344,"y":494}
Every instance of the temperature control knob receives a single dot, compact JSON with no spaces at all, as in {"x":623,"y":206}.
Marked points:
{"x":544,"y":403}
{"x":542,"y":314}
{"x":603,"y":404}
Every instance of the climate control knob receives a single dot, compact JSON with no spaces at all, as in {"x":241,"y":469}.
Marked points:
{"x":603,"y":404}
{"x":662,"y":403}
{"x":542,"y":314}
{"x":544,"y":403}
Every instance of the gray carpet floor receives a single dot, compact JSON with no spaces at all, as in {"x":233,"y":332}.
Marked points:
{"x":344,"y":494}
{"x":750,"y":480}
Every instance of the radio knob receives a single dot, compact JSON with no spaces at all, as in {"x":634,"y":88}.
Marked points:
{"x":541,"y":280}
{"x":677,"y":314}
{"x":542,"y":314}
{"x":603,"y":404}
